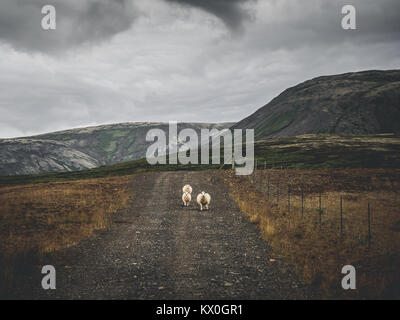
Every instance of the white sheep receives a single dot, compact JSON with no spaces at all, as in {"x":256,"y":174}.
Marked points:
{"x":203,"y":199}
{"x":187,"y":189}
{"x":186,"y":198}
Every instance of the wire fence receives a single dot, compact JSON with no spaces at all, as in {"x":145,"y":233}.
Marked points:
{"x":325,"y":209}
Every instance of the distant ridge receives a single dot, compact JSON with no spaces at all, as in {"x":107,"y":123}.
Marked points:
{"x":365,"y":102}
{"x":82,"y":148}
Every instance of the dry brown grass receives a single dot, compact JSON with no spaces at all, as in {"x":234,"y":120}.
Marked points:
{"x":319,"y":251}
{"x":35,"y":219}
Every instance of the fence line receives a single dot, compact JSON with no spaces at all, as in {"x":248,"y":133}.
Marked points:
{"x":267,"y":187}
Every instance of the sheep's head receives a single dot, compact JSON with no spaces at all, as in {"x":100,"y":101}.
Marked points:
{"x":203,"y":193}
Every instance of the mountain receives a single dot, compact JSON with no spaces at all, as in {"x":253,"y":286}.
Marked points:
{"x":83,"y":148}
{"x":353,"y":103}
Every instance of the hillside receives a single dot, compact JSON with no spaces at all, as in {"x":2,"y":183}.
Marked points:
{"x":330,"y":151}
{"x":352,"y":103}
{"x":348,"y":104}
{"x":307,"y":151}
{"x":82,"y":148}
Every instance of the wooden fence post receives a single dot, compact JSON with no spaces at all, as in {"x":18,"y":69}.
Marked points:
{"x":288,"y":196}
{"x":277,"y":192}
{"x":254,"y":172}
{"x":369,"y":226}
{"x":341,"y":216}
{"x":268,"y":186}
{"x":320,"y":209}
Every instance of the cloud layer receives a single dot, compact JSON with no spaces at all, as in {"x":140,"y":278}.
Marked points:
{"x":78,"y":22}
{"x":159,"y":60}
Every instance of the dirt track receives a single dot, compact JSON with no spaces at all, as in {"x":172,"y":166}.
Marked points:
{"x":158,"y":249}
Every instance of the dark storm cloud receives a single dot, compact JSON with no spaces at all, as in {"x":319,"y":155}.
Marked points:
{"x":230,"y":12}
{"x":78,"y":22}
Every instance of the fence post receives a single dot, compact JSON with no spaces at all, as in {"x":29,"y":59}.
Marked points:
{"x":268,"y":186}
{"x":302,"y":201}
{"x":341,"y":216}
{"x":277,"y":192}
{"x":288,"y":195}
{"x":255,"y":173}
{"x":369,"y":226}
{"x":320,"y":209}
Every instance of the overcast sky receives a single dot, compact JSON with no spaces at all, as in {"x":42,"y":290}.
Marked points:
{"x":113,"y":61}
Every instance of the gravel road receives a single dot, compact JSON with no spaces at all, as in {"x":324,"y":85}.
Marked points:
{"x":158,"y":249}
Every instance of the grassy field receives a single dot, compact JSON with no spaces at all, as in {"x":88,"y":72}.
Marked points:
{"x":46,"y":212}
{"x":307,"y":151}
{"x":35,"y":219}
{"x":330,"y":151}
{"x":117,"y":170}
{"x":312,"y":239}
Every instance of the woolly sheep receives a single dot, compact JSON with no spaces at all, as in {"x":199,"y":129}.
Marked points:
{"x":203,"y":199}
{"x":187,"y":189}
{"x":186,"y":198}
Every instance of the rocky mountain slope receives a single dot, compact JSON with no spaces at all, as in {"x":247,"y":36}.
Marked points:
{"x":353,"y":103}
{"x":83,"y":148}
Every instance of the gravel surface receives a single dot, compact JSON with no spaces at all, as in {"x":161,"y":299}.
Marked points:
{"x":158,"y":249}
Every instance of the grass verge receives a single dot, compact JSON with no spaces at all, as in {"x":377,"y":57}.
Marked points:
{"x":311,"y":239}
{"x":35,"y":219}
